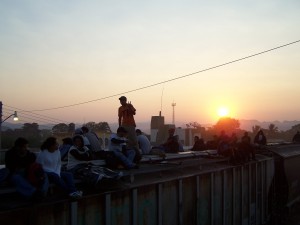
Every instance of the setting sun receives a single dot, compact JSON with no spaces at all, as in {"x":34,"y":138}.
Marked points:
{"x":223,"y":111}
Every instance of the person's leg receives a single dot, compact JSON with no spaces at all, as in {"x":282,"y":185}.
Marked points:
{"x":54,"y":178}
{"x":133,"y":144}
{"x":69,"y":181}
{"x":130,"y":153}
{"x":45,"y":185}
{"x":22,"y":185}
{"x":3,"y":174}
{"x":123,"y":159}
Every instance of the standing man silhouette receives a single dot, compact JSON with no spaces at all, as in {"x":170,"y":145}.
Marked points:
{"x":126,"y":114}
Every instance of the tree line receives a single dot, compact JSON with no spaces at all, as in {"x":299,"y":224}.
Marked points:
{"x":231,"y":125}
{"x":35,"y":136}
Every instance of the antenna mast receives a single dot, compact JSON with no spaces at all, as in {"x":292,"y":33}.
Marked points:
{"x":173,"y":105}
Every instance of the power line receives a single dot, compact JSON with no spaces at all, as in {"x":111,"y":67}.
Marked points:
{"x":169,"y":80}
{"x":39,"y":116}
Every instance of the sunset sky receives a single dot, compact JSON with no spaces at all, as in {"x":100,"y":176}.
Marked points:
{"x":58,"y":53}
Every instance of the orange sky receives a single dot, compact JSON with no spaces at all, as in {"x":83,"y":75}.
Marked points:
{"x":60,"y":54}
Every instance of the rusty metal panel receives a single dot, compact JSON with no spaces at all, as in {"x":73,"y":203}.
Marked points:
{"x":217,"y":198}
{"x":121,"y":209}
{"x":91,"y":210}
{"x":170,"y":203}
{"x":228,"y":197}
{"x":147,"y":205}
{"x":189,"y":198}
{"x":238,"y":196}
{"x":222,"y":194}
{"x":18,"y":217}
{"x":204,"y":210}
{"x":51,"y":214}
{"x":245,"y":194}
{"x":259,"y":205}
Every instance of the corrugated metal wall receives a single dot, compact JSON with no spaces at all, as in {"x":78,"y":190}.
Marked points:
{"x":224,"y":195}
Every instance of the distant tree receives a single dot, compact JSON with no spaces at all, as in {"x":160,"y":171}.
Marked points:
{"x":91,"y":125}
{"x":229,"y":125}
{"x":273,"y":129}
{"x":7,"y":138}
{"x":296,"y":127}
{"x":32,"y":133}
{"x":60,"y":128}
{"x":255,"y":129}
{"x":102,"y":127}
{"x":193,"y":125}
{"x":30,"y":127}
{"x":71,"y":128}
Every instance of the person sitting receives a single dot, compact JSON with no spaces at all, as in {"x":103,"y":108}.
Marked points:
{"x":143,"y":141}
{"x":65,"y":147}
{"x":246,"y":148}
{"x":25,"y":174}
{"x":78,"y":153}
{"x":213,"y":144}
{"x":170,"y":146}
{"x":86,"y":141}
{"x":224,"y":147}
{"x":199,"y":144}
{"x":260,"y":139}
{"x":118,"y":145}
{"x":296,"y":138}
{"x":50,"y":159}
{"x":93,"y":139}
{"x":81,"y":163}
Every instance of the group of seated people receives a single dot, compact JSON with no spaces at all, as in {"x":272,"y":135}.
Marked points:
{"x":230,"y":146}
{"x":31,"y":173}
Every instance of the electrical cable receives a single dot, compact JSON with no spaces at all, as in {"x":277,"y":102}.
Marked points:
{"x":169,"y":80}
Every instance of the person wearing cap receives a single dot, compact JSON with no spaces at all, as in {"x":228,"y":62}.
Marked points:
{"x":126,"y":114}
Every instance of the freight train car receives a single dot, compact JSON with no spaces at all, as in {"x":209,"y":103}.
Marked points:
{"x":187,"y":188}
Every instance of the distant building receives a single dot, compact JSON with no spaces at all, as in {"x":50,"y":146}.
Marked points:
{"x":159,"y":132}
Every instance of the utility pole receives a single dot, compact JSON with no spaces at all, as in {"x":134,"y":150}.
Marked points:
{"x":173,"y":119}
{"x":0,"y":124}
{"x":1,"y":121}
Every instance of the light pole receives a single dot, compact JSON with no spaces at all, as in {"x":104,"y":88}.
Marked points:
{"x":1,"y":121}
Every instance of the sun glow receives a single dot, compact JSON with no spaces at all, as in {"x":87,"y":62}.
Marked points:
{"x":223,"y":111}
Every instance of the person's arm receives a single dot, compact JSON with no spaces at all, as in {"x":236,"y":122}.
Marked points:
{"x":83,"y":157}
{"x":118,"y":141}
{"x":131,"y":108}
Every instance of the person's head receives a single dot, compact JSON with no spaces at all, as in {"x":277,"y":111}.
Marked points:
{"x":50,"y":144}
{"x":78,"y":131}
{"x":67,"y":141}
{"x":171,"y":131}
{"x":78,"y":141}
{"x":196,"y":138}
{"x":21,"y":144}
{"x":246,"y":133}
{"x":121,"y":132}
{"x":138,"y":132}
{"x":123,"y":100}
{"x":85,"y":129}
